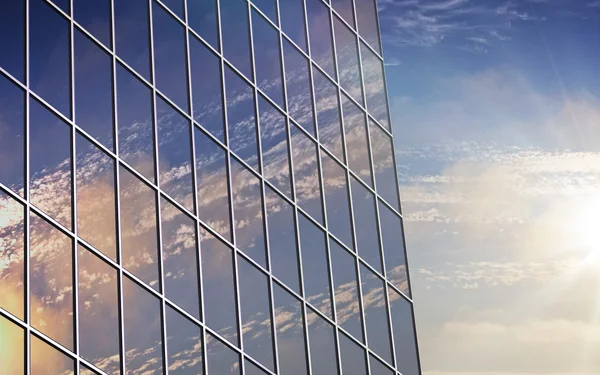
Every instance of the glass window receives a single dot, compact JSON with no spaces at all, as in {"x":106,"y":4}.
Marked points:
{"x":306,"y":174}
{"x":64,"y":5}
{"x":95,"y":17}
{"x":13,"y":354}
{"x":219,"y":288}
{"x":255,"y":312}
{"x":353,"y":357}
{"x":139,"y":236}
{"x":378,"y":368}
{"x":335,"y":185}
{"x":50,"y":163}
{"x":321,"y":39}
{"x":84,"y":370}
{"x":184,"y":344}
{"x":282,"y":240}
{"x":251,"y":369}
{"x":241,"y":120}
{"x":291,"y":346}
{"x":207,"y":91}
{"x":375,"y":86}
{"x":317,"y":290}
{"x":212,"y":184}
{"x":175,"y":154}
{"x":176,"y":6}
{"x":221,"y":360}
{"x":356,"y":140}
{"x":12,"y":243}
{"x":96,"y":205}
{"x":247,"y":208}
{"x":328,"y":114}
{"x":299,"y":95}
{"x":51,"y":281}
{"x":321,"y":336}
{"x":345,"y":9}
{"x":382,"y":150}
{"x":368,"y":28}
{"x":407,"y":359}
{"x":49,"y":70}
{"x":180,"y":259}
{"x":12,"y":135}
{"x":236,"y":36}
{"x":376,"y":317}
{"x":98,"y":312}
{"x":202,"y":18}
{"x":12,"y":38}
{"x":142,"y":329}
{"x":346,"y":292}
{"x":93,"y":90}
{"x":293,"y":21}
{"x":45,"y":359}
{"x":132,"y":35}
{"x":268,"y":8}
{"x":365,"y":225}
{"x":392,"y":235}
{"x":136,"y":125}
{"x":170,"y":60}
{"x":347,"y":59}
{"x":274,"y":143}
{"x":267,"y":58}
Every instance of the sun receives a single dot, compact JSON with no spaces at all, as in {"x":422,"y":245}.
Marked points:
{"x":586,"y":229}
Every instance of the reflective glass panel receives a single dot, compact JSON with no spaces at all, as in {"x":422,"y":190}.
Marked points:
{"x":12,"y":135}
{"x":98,"y":312}
{"x":96,"y":204}
{"x":382,"y":150}
{"x":142,"y":321}
{"x":139,"y":236}
{"x":49,"y":57}
{"x":251,"y":369}
{"x":356,"y":140}
{"x":407,"y":359}
{"x":376,"y":317}
{"x":366,"y":14}
{"x":176,"y":6}
{"x":321,"y":336}
{"x":132,"y":35}
{"x":202,"y":18}
{"x":95,"y":17}
{"x":64,"y":5}
{"x":219,"y":288}
{"x":299,"y":95}
{"x":353,"y":357}
{"x":374,"y":86}
{"x":321,"y":39}
{"x":84,"y":370}
{"x":378,"y":368}
{"x":365,"y":225}
{"x":51,"y":281}
{"x":12,"y":38}
{"x":291,"y":346}
{"x":221,"y":359}
{"x":347,"y":59}
{"x":50,"y":163}
{"x":306,"y":174}
{"x":12,"y":273}
{"x":184,"y":344}
{"x":267,"y":58}
{"x":180,"y":258}
{"x":255,"y":312}
{"x":392,"y":235}
{"x":236,"y":35}
{"x":345,"y":9}
{"x":45,"y":359}
{"x":328,"y":114}
{"x":335,"y":185}
{"x":293,"y":21}
{"x":12,"y":355}
{"x":268,"y":8}
{"x":314,"y":265}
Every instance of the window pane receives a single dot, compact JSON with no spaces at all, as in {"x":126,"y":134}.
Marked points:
{"x":132,"y":35}
{"x":139,"y":236}
{"x":142,"y":320}
{"x":247,"y":207}
{"x":321,"y":336}
{"x":293,"y":22}
{"x":175,"y":154}
{"x":64,"y":5}
{"x":212,"y":185}
{"x":328,"y":114}
{"x":321,"y":39}
{"x":219,"y":288}
{"x":282,"y":240}
{"x":50,"y":163}
{"x":255,"y":312}
{"x":135,"y":119}
{"x":51,"y":281}
{"x":12,"y":135}
{"x":291,"y":346}
{"x":206,"y":88}
{"x":93,"y":90}
{"x":95,"y":17}
{"x":374,"y":86}
{"x":202,"y":17}
{"x":383,"y":165}
{"x":336,"y":199}
{"x":251,"y":369}
{"x":13,"y":355}
{"x":12,"y":38}
{"x":180,"y":261}
{"x":50,"y":73}
{"x":306,"y":174}
{"x":236,"y":35}
{"x":96,"y":206}
{"x":274,"y":143}
{"x":378,"y":329}
{"x":268,"y":8}
{"x":241,"y":119}
{"x":366,"y":13}
{"x":353,"y":357}
{"x":378,"y":368}
{"x":170,"y":60}
{"x":344,"y":9}
{"x":347,"y":59}
{"x":176,"y":6}
{"x":356,"y":140}
{"x":345,"y":282}
{"x":12,"y":273}
{"x":184,"y":344}
{"x":404,"y":335}
{"x":221,"y":360}
{"x":299,"y":96}
{"x":365,"y":225}
{"x":98,"y":312}
{"x":47,"y":360}
{"x":393,"y":245}
{"x":267,"y":58}
{"x":314,"y":263}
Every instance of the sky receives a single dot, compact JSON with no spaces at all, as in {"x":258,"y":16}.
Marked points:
{"x":495,"y":111}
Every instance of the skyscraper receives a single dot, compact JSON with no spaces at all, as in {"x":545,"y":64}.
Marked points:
{"x":199,"y":187}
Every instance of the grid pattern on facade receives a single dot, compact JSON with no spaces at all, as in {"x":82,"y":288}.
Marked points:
{"x":194,"y":187}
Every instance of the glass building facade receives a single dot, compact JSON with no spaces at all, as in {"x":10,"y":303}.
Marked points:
{"x":199,"y":187}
